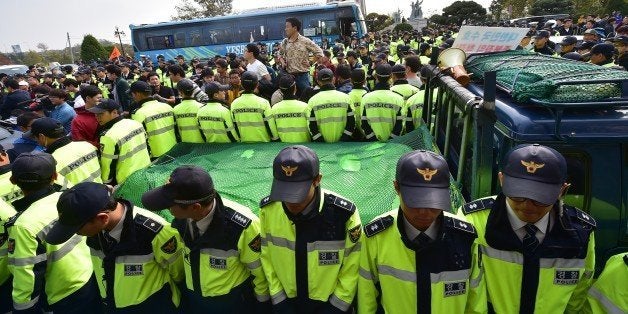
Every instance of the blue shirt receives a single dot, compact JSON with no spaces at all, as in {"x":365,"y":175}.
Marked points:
{"x":64,"y":114}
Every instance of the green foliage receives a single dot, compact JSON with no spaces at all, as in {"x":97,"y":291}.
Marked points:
{"x":403,"y":27}
{"x":439,"y":19}
{"x":91,"y":49}
{"x":469,"y":11}
{"x":32,"y":57}
{"x":376,"y":22}
{"x":545,"y":7}
{"x":195,"y":9}
{"x":496,"y":9}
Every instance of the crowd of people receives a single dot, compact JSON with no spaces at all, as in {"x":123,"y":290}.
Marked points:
{"x":88,"y":130}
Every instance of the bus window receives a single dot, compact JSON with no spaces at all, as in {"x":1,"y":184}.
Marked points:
{"x":179,"y":40}
{"x":329,"y":27}
{"x":160,"y":42}
{"x":251,"y":30}
{"x":195,"y":37}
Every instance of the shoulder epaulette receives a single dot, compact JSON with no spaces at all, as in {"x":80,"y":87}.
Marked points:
{"x":149,"y":223}
{"x":237,"y":218}
{"x":378,"y":225}
{"x":582,"y":216}
{"x":477,"y":205}
{"x":265,"y":201}
{"x":458,"y":224}
{"x":342,"y":203}
{"x":11,"y":221}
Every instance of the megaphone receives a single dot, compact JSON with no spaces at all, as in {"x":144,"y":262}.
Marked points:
{"x":452,"y":60}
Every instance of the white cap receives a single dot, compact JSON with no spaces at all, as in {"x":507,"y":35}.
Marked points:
{"x":23,"y":83}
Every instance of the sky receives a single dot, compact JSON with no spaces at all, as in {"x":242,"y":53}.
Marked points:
{"x":29,"y":22}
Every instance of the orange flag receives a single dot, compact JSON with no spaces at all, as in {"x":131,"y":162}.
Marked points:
{"x":114,"y":53}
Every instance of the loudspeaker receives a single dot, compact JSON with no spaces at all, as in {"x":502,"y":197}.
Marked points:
{"x":452,"y":60}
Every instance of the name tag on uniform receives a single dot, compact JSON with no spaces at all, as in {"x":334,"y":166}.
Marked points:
{"x":455,"y":288}
{"x":218,"y":263}
{"x":328,"y":258}
{"x":133,"y":269}
{"x":566,"y":277}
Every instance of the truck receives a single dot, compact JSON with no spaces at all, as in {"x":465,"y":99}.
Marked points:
{"x":518,"y":97}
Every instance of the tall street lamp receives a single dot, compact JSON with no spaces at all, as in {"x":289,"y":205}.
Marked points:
{"x":118,"y":33}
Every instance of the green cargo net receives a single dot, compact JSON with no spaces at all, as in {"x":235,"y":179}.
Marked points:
{"x":360,"y":171}
{"x":530,"y":75}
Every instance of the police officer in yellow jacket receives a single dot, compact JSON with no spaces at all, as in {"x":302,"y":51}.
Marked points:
{"x":185,"y":114}
{"x":538,"y":254}
{"x":122,"y":141}
{"x":76,"y":161}
{"x":57,"y":278}
{"x":420,"y":258}
{"x":157,"y":119}
{"x":251,"y":113}
{"x":609,"y":293}
{"x":383,"y":111}
{"x":401,"y":84}
{"x":8,"y":191}
{"x":330,"y":113}
{"x":214,"y":119}
{"x":310,"y":238}
{"x":6,"y":280}
{"x":223,"y":271}
{"x":291,"y":114}
{"x":137,"y":256}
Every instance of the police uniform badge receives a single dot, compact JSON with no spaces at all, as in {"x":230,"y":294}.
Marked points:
{"x":455,"y":288}
{"x":566,"y":277}
{"x":256,"y":244}
{"x":170,"y":246}
{"x":354,"y":233}
{"x":328,"y":258}
{"x":133,"y":269}
{"x":218,"y":263}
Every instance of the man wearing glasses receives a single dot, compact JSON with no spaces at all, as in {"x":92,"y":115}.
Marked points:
{"x":538,"y":253}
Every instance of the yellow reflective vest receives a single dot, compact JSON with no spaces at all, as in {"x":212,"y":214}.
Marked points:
{"x":609,"y":293}
{"x":158,"y":121}
{"x":216,"y":124}
{"x":122,"y":150}
{"x":292,"y":122}
{"x":312,"y":259}
{"x":253,"y":118}
{"x":6,"y":212}
{"x":76,"y":161}
{"x":141,"y":271}
{"x":443,"y":276}
{"x":554,"y":278}
{"x":187,"y":122}
{"x":63,"y":268}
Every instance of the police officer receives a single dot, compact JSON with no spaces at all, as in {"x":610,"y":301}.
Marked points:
{"x":8,"y":191}
{"x":358,"y":79}
{"x":383,"y":111}
{"x":330,"y":114}
{"x":602,"y":55}
{"x":541,"y":43}
{"x":135,"y":253}
{"x":310,"y":238}
{"x":400,"y":82}
{"x":214,"y":119}
{"x":58,"y":278}
{"x":567,"y":45}
{"x":122,"y":143}
{"x":538,"y":254}
{"x":157,"y":119}
{"x":6,"y":280}
{"x":291,"y":114}
{"x":76,"y":161}
{"x":608,"y":293}
{"x":405,"y":247}
{"x":185,"y":114}
{"x":252,"y":114}
{"x":222,"y":245}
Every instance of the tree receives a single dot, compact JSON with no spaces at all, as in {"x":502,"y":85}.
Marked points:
{"x":91,"y":49}
{"x":42,"y":46}
{"x":376,"y":22}
{"x":496,"y":10}
{"x":439,"y":19}
{"x":460,"y":11}
{"x":194,"y":9}
{"x":545,"y":7}
{"x":403,"y":27}
{"x":32,"y":57}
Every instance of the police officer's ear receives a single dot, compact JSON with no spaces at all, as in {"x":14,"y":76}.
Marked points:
{"x":564,"y":189}
{"x":500,"y":176}
{"x":396,"y":184}
{"x":317,"y":180}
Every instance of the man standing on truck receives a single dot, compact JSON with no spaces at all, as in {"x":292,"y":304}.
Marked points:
{"x":538,"y":253}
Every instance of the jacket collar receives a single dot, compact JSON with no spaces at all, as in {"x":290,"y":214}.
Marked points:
{"x":58,"y":144}
{"x":28,"y":200}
